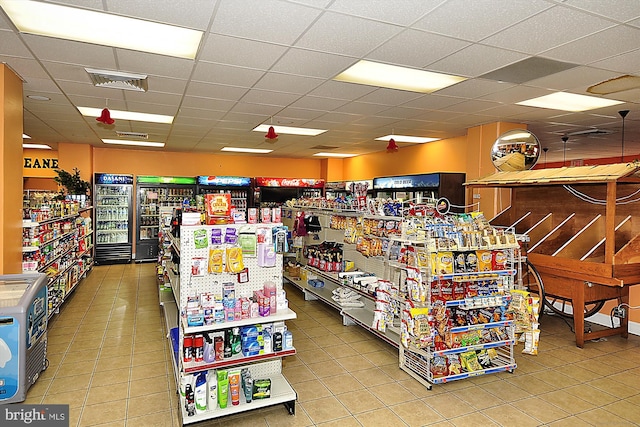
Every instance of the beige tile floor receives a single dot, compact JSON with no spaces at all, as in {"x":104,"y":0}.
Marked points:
{"x":110,"y":361}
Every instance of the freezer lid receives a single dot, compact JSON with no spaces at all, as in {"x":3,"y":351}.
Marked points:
{"x":12,"y":290}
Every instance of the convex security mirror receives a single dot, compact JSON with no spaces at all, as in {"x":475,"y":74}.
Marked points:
{"x":515,"y":150}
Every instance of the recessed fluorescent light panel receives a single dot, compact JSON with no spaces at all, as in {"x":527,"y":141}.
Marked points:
{"x":405,"y":138}
{"x":394,"y":77}
{"x":71,"y":23}
{"x":334,"y":155}
{"x":138,"y":143}
{"x":569,"y":102}
{"x":37,"y":146}
{"x":127,"y":115}
{"x":25,"y":136}
{"x":246,"y":150}
{"x":290,"y":130}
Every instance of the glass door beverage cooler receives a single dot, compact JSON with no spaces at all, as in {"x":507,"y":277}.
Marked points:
{"x":114,"y":215}
{"x":152,"y":193}
{"x":272,"y":192}
{"x":238,"y":186}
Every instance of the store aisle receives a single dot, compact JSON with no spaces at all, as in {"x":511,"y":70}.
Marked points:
{"x":109,"y":360}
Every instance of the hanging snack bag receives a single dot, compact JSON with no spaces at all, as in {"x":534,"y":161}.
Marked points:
{"x":445,"y":262}
{"x":498,"y":260}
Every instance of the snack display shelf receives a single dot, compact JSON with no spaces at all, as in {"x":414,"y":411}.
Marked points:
{"x":478,"y":302}
{"x":57,"y":257}
{"x":238,"y":359}
{"x":85,"y":252}
{"x":363,"y":317}
{"x":35,"y":248}
{"x":480,"y":326}
{"x":280,"y":315}
{"x":483,"y":346}
{"x":415,"y":365}
{"x":281,"y":392}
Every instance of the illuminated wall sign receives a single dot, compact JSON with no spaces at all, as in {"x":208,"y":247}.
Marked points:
{"x":224,"y":181}
{"x":408,"y":181}
{"x":166,"y":180}
{"x":289,"y":182}
{"x":108,"y":178}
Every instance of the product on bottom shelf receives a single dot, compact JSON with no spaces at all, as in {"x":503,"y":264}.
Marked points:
{"x":346,"y":297}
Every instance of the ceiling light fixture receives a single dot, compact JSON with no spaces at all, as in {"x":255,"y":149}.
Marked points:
{"x":72,"y":23}
{"x":127,"y":115}
{"x":25,"y":136}
{"x":37,"y":146}
{"x":394,"y":77}
{"x":39,"y":97}
{"x":623,"y":114}
{"x":405,"y":138}
{"x":334,"y":155}
{"x":569,"y":102}
{"x":105,"y":117}
{"x":392,"y":147}
{"x":138,"y":143}
{"x":246,"y":150}
{"x":289,"y":130}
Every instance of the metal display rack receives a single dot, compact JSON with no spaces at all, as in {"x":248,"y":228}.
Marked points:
{"x":185,"y":284}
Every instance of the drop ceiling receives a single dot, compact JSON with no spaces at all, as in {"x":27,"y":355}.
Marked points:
{"x":273,"y":61}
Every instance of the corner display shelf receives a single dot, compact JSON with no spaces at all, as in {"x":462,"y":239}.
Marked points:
{"x":61,"y":246}
{"x":423,"y":342}
{"x":261,"y":366}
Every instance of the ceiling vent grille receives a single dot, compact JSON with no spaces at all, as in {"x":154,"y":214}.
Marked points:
{"x":136,"y":135}
{"x":118,"y":80}
{"x":323,"y":147}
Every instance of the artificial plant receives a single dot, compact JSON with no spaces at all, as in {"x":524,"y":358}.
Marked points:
{"x":72,"y":183}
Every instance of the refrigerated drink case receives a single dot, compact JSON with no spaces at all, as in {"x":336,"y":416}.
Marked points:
{"x":113,"y":210}
{"x":154,"y":192}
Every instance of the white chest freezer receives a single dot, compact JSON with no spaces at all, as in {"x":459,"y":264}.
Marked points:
{"x":23,"y":333}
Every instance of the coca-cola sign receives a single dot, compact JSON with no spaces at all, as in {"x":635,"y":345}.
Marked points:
{"x":290,"y":182}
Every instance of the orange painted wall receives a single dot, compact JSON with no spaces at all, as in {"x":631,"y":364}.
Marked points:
{"x":11,"y":117}
{"x":32,"y":155}
{"x":446,"y":155}
{"x":40,"y":184}
{"x":139,"y":162}
{"x":78,"y":156}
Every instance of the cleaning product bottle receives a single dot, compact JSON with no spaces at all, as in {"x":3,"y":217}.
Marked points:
{"x":212,"y":385}
{"x":201,"y":392}
{"x":236,"y":343}
{"x":209,"y":349}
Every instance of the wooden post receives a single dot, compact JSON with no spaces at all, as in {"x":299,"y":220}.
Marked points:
{"x":610,"y":223}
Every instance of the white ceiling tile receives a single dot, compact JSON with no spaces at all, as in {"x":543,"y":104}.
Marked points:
{"x":312,"y":64}
{"x":433,"y":101}
{"x":298,"y":114}
{"x":474,"y":88}
{"x":399,"y":113}
{"x":152,"y":108}
{"x":576,"y":79}
{"x":266,"y":20}
{"x":401,"y":12}
{"x":197,"y":116}
{"x":25,"y":68}
{"x":471,"y":106}
{"x":627,"y":63}
{"x":257,"y":96}
{"x":357,"y":107}
{"x":226,"y":75}
{"x":548,"y":29}
{"x":515,"y":94}
{"x":42,"y":86}
{"x":193,"y":14}
{"x":240,"y":52}
{"x":318,"y":103}
{"x":149,"y":63}
{"x":384,"y":96}
{"x":288,"y":83}
{"x":598,"y":46}
{"x":620,"y":10}
{"x":475,"y":60}
{"x":207,"y":90}
{"x":263,"y":110}
{"x":341,"y":90}
{"x":475,"y":20}
{"x":11,"y":44}
{"x":414,"y":48}
{"x":346,"y":35}
{"x":166,"y":84}
{"x":57,"y":50}
{"x":207,"y":103}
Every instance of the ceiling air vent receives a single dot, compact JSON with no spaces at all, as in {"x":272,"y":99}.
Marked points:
{"x":136,"y":135}
{"x":118,"y":80}
{"x":323,"y":147}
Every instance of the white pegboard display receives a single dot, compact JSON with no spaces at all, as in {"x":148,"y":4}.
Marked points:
{"x":195,"y":278}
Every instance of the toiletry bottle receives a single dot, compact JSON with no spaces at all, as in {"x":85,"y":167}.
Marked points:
{"x":268,"y":343}
{"x":288,"y":340}
{"x":187,"y":343}
{"x":236,"y":344}
{"x":209,"y":349}
{"x":212,"y":385}
{"x":227,"y":343}
{"x":201,"y":392}
{"x":277,"y":341}
{"x":189,"y":401}
{"x":198,"y":348}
